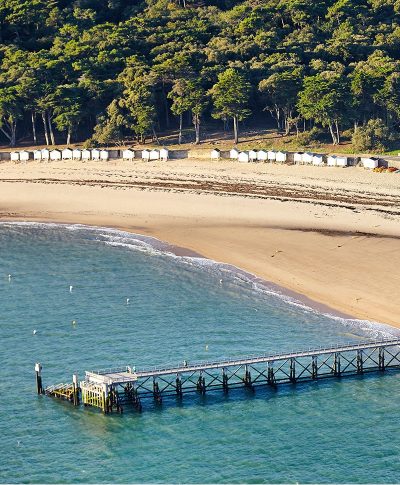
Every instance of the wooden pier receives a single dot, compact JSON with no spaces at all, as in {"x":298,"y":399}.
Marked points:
{"x":113,"y":389}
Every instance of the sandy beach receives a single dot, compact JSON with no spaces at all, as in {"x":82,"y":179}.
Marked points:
{"x":330,"y":234}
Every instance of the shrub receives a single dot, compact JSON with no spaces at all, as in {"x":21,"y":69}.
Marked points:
{"x":374,"y":135}
{"x":311,"y":138}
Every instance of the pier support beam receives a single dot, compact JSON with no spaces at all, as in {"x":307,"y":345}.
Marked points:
{"x":336,"y":365}
{"x":201,"y":384}
{"x":178,"y":386}
{"x":292,"y":372}
{"x":38,"y":371}
{"x":381,"y":358}
{"x":156,"y":392}
{"x":247,"y":377}
{"x":271,"y":375}
{"x":360,"y":362}
{"x":225,"y":386}
{"x":314,"y":367}
{"x":75,"y":395}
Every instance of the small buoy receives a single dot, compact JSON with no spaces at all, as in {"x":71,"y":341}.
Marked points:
{"x":34,"y":332}
{"x":207,"y":347}
{"x":18,"y":442}
{"x":9,"y":277}
{"x":220,"y":282}
{"x":127,"y":301}
{"x":73,"y":322}
{"x":70,"y":288}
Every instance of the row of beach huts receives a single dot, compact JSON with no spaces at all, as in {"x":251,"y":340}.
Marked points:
{"x":87,"y":154}
{"x":301,"y":158}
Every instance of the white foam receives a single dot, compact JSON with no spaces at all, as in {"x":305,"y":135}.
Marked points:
{"x":232,"y":274}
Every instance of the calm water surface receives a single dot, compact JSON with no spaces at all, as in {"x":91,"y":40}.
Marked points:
{"x":322,"y":432}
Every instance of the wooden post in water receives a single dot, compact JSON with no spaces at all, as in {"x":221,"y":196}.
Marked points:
{"x":75,"y":390}
{"x":38,"y":372}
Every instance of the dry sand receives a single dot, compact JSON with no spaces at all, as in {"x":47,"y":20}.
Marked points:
{"x":330,"y":234}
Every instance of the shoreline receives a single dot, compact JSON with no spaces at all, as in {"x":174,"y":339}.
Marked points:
{"x":344,"y":258}
{"x":165,"y":247}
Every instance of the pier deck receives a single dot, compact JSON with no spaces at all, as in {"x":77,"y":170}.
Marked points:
{"x":112,"y":389}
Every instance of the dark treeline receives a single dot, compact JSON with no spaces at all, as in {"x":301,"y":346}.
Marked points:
{"x":111,"y":69}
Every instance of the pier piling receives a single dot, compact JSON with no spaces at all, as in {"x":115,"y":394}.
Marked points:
{"x":38,"y":372}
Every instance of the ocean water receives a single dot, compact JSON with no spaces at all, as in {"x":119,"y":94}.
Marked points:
{"x":333,"y":431}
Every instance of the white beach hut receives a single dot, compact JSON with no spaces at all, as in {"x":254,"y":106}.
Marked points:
{"x":104,"y":155}
{"x":76,"y":154}
{"x":66,"y":154}
{"x":253,"y":155}
{"x":155,"y":154}
{"x":332,"y":160}
{"x":14,"y":156}
{"x":243,"y":157}
{"x":37,"y":154}
{"x":164,"y":154}
{"x":342,"y":161}
{"x":215,"y":154}
{"x":370,"y":162}
{"x":233,"y":154}
{"x":262,"y":155}
{"x":55,"y":154}
{"x":96,"y":154}
{"x":318,"y":159}
{"x":298,"y":157}
{"x":86,"y":154}
{"x":146,"y":155}
{"x":271,"y":155}
{"x":24,"y":155}
{"x":45,"y":154}
{"x":281,"y":157}
{"x":307,"y":157}
{"x":128,"y":154}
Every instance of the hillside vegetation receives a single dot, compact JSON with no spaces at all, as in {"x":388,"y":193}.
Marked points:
{"x":111,"y":70}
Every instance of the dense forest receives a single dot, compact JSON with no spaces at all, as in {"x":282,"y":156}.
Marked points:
{"x":107,"y":70}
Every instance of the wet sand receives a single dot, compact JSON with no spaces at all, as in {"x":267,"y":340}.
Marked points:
{"x":330,"y":234}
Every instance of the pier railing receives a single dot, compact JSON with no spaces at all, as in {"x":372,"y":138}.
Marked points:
{"x":116,"y":387}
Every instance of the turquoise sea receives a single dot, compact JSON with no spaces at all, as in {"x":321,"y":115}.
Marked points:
{"x":333,"y":431}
